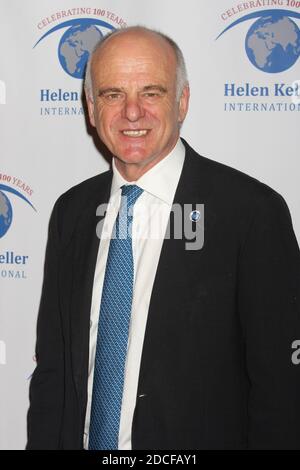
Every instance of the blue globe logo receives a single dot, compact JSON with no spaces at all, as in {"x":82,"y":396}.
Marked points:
{"x":273,"y":43}
{"x":75,"y":47}
{"x":6,"y":214}
{"x":77,"y":43}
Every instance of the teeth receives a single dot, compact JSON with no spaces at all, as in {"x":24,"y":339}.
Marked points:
{"x":138,"y":133}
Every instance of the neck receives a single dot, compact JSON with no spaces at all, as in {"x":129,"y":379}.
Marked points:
{"x":134,"y":171}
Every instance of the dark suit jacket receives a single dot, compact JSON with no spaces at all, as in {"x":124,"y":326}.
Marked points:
{"x":216,"y":369}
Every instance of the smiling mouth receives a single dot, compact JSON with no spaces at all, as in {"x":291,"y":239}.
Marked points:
{"x":135,"y":133}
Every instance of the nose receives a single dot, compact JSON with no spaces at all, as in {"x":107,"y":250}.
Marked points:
{"x":133,"y":109}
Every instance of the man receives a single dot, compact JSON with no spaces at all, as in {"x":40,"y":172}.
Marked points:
{"x":148,"y":342}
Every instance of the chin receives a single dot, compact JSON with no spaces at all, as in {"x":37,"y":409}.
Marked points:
{"x":134,"y":156}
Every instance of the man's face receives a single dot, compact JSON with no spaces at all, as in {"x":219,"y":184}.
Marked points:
{"x":135,"y":109}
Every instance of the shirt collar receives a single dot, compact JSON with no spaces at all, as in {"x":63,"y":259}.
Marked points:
{"x":161,"y":180}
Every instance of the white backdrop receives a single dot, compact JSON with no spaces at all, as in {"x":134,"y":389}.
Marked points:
{"x":45,"y":147}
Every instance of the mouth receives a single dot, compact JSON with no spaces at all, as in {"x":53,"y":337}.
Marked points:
{"x":135,"y":133}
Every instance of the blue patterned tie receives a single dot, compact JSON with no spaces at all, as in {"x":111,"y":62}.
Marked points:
{"x":112,"y":339}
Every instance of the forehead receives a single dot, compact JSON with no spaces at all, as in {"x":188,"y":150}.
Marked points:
{"x":134,"y":56}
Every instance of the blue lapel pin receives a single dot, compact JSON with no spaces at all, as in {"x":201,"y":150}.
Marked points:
{"x":195,"y":216}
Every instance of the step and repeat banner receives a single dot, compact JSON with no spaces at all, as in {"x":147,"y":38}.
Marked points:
{"x":242,"y":60}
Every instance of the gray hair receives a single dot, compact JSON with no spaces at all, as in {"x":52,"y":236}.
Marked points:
{"x":181,"y":73}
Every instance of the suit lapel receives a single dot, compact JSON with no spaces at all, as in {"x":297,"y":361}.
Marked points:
{"x":84,"y":257}
{"x":173,"y":286}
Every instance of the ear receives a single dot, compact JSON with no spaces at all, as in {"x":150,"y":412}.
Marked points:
{"x":184,"y":103}
{"x":90,"y":104}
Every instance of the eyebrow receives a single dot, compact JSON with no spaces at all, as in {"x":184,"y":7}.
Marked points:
{"x":160,"y":88}
{"x":103,"y":91}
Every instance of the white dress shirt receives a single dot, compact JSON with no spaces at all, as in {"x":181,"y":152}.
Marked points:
{"x":150,"y":218}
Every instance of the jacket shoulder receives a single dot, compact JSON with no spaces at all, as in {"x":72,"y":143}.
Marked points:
{"x":235,"y":185}
{"x":85,"y":190}
{"x":80,"y":201}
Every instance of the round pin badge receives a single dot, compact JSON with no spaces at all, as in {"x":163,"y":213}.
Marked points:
{"x":195,"y":216}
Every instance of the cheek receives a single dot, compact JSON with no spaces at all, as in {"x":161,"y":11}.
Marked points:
{"x":165,"y":122}
{"x":166,"y":115}
{"x":160,"y":118}
{"x":107,"y":119}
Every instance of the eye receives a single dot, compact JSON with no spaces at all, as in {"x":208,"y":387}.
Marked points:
{"x":151,"y":95}
{"x":113,"y":96}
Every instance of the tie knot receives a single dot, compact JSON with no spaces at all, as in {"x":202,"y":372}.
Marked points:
{"x":132,"y":192}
